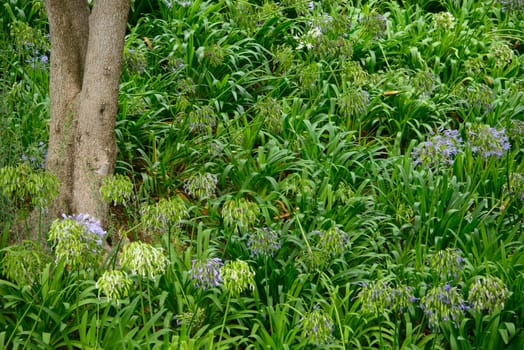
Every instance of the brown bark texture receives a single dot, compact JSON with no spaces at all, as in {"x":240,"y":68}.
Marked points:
{"x":86,"y":57}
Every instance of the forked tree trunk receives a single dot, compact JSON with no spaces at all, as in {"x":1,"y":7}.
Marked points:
{"x":86,"y":57}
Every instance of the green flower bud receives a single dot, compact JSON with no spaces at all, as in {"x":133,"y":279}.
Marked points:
{"x":114,"y":285}
{"x":317,"y":327}
{"x":22,"y":263}
{"x":143,"y":259}
{"x":165,"y":214}
{"x":443,"y":304}
{"x":447,"y":264}
{"x":240,"y":214}
{"x":117,"y":189}
{"x":237,"y":276}
{"x":487,"y":293}
{"x":78,"y":240}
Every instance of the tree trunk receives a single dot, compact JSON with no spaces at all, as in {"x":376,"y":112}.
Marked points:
{"x":86,"y":57}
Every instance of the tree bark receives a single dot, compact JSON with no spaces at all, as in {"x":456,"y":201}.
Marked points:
{"x":86,"y":57}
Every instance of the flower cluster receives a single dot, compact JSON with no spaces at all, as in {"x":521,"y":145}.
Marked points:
{"x":36,"y":156}
{"x":477,"y":96}
{"x":308,"y":74}
{"x":317,"y":327}
{"x":143,"y":259}
{"x":378,"y":297}
{"x":134,"y":61}
{"x":263,"y":241}
{"x":201,"y":186}
{"x":487,"y":141}
{"x":443,"y":20}
{"x":447,"y":263}
{"x":239,"y":214}
{"x":474,"y":65}
{"x":114,"y":285}
{"x":77,"y":239}
{"x":487,"y":293}
{"x":333,"y":241}
{"x":213,"y":55}
{"x":21,"y":263}
{"x":182,"y":3}
{"x":165,"y":214}
{"x":237,"y":276}
{"x":191,"y":319}
{"x":375,"y":297}
{"x":353,"y":103}
{"x":440,"y":148}
{"x":202,"y":120}
{"x":424,"y":82}
{"x":353,"y":72}
{"x":206,"y":274}
{"x":310,"y":40}
{"x":92,"y":226}
{"x":323,"y":22}
{"x":403,"y":299}
{"x":501,"y":53}
{"x":272,"y":113}
{"x":512,"y":5}
{"x":516,"y":129}
{"x":374,"y":24}
{"x":22,"y":184}
{"x":284,"y":57}
{"x":117,"y":189}
{"x":31,"y":44}
{"x":443,"y":304}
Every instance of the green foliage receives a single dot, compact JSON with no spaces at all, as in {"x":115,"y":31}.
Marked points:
{"x":291,"y":175}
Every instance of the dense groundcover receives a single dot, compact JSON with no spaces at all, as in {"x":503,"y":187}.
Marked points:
{"x":291,"y":175}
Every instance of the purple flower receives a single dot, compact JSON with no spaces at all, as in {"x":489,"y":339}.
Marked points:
{"x":447,"y":263}
{"x":91,"y":224}
{"x":206,"y":274}
{"x":443,"y":304}
{"x":263,"y":241}
{"x":440,"y":148}
{"x":487,"y":141}
{"x":334,"y":240}
{"x":317,"y":326}
{"x":478,"y":96}
{"x":512,"y":5}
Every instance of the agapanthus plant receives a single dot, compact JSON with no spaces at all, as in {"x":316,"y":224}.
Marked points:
{"x":379,"y":296}
{"x":237,"y":276}
{"x":240,"y":214}
{"x":333,"y":241}
{"x":447,"y":264}
{"x":486,"y":141}
{"x":143,"y":259}
{"x":487,"y":293}
{"x":164,"y":215}
{"x":78,"y":240}
{"x":114,"y":284}
{"x":201,"y":186}
{"x":443,"y":304}
{"x":22,"y":263}
{"x":263,"y":242}
{"x":439,"y":149}
{"x":317,"y":327}
{"x":117,"y":189}
{"x":206,"y":273}
{"x":443,"y":20}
